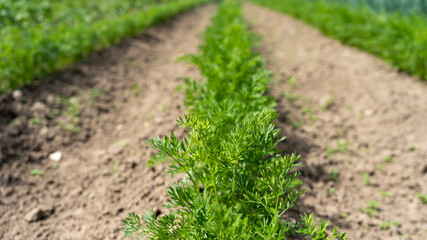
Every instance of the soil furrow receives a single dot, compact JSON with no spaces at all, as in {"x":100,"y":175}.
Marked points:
{"x":124,"y":94}
{"x":359,"y":124}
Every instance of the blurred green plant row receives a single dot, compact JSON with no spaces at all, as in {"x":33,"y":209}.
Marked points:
{"x":402,"y":6}
{"x":38,"y":37}
{"x":26,"y":13}
{"x":400,"y":39}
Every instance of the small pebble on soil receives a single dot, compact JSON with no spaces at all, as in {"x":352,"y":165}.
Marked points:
{"x":17,"y":95}
{"x":55,"y":156}
{"x":39,"y":213}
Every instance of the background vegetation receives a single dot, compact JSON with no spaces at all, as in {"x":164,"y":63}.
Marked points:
{"x":402,"y":6}
{"x":38,"y":37}
{"x":399,"y":39}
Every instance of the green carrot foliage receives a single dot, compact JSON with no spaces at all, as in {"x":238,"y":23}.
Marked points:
{"x":236,"y":185}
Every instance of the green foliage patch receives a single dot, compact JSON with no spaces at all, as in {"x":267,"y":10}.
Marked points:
{"x":38,"y":37}
{"x":401,"y":6}
{"x":236,"y":185}
{"x":399,"y":39}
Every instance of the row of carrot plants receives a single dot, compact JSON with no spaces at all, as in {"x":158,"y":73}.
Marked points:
{"x":40,"y":37}
{"x":400,"y":39}
{"x":15,"y":14}
{"x":237,"y":185}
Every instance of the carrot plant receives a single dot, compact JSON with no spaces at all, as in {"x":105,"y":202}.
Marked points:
{"x":236,"y":184}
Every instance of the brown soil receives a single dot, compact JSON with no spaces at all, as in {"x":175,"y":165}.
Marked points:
{"x":124,"y":94}
{"x":127,"y":93}
{"x":344,"y":95}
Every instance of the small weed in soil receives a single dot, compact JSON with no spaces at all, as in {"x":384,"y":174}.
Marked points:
{"x":412,"y":148}
{"x":422,"y":197}
{"x":133,"y":63}
{"x":397,"y":223}
{"x":95,"y":93}
{"x":163,"y":107}
{"x":72,"y":112}
{"x":345,"y":215}
{"x":37,"y":172}
{"x":124,"y":143}
{"x":54,"y":113}
{"x":149,"y":116}
{"x":291,"y":82}
{"x":73,"y":109}
{"x":405,"y":176}
{"x":36,"y":121}
{"x":372,"y":209}
{"x":292,"y":98}
{"x":384,"y":225}
{"x":380,"y":167}
{"x":305,"y":110}
{"x":297,"y":124}
{"x":341,"y":147}
{"x":335,"y":174}
{"x":404,"y":236}
{"x":72,"y":128}
{"x":330,"y":152}
{"x":115,"y":166}
{"x":331,"y":190}
{"x":11,"y":124}
{"x":313,"y":117}
{"x":366,"y":179}
{"x":137,"y":90}
{"x":388,"y":159}
{"x":327,"y":105}
{"x":385,"y":194}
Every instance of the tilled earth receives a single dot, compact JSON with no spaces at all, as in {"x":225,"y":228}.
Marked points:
{"x":359,"y":125}
{"x":95,"y":114}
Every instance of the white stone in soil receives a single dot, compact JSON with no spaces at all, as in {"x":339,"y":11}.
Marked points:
{"x":369,"y":112}
{"x":17,"y":94}
{"x":56,"y":156}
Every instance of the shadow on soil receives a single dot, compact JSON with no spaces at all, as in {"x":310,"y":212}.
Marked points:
{"x":311,"y":173}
